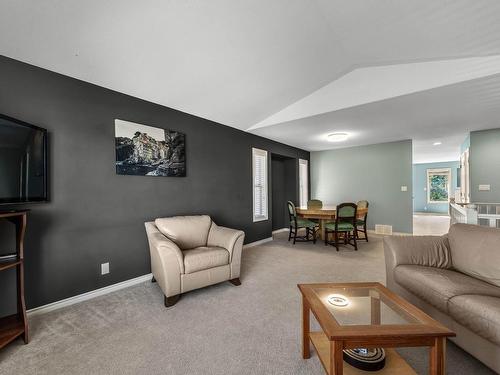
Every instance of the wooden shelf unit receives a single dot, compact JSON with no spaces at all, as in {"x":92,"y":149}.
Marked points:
{"x":6,"y":264}
{"x":11,"y":327}
{"x":394,"y":364}
{"x":15,"y":325}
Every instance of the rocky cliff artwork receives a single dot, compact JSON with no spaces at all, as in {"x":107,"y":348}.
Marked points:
{"x":149,"y":151}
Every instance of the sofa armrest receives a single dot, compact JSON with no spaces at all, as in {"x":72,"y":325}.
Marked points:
{"x":226,"y":238}
{"x":232,"y":241}
{"x":167,"y":261}
{"x":430,"y":251}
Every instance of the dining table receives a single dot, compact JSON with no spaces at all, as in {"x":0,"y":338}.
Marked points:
{"x":324,"y":215}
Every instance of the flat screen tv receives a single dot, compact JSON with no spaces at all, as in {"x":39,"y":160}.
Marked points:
{"x":23,"y":162}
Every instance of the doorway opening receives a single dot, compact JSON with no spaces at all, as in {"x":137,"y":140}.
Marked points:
{"x":439,"y":179}
{"x":284,"y":187}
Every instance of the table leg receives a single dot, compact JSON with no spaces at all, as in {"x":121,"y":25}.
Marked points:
{"x":322,"y":228}
{"x":437,"y":359}
{"x":305,"y":329}
{"x":375,"y":311}
{"x":336,"y":358}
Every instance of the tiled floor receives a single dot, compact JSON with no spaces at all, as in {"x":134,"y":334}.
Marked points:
{"x":425,"y":224}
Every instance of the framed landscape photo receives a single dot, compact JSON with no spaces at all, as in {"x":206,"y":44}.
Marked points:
{"x":143,"y":150}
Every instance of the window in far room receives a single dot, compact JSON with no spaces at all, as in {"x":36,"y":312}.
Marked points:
{"x":259,"y":168}
{"x":438,"y":185}
{"x":303,"y":182}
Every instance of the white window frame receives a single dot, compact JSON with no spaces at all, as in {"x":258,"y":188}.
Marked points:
{"x":303,"y":183}
{"x":256,"y":215}
{"x":443,"y":171}
{"x":464,"y":177}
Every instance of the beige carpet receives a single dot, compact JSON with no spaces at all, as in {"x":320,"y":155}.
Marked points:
{"x":223,"y":329}
{"x":433,"y":225}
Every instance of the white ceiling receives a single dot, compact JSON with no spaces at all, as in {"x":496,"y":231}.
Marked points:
{"x":467,"y":104}
{"x":371,"y":84}
{"x":382,"y":70}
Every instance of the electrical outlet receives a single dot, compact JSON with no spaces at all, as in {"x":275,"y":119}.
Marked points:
{"x":484,"y":187}
{"x":404,"y":188}
{"x":104,"y":268}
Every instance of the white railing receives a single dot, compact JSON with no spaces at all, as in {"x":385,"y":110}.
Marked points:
{"x":486,"y":214}
{"x":462,"y":214}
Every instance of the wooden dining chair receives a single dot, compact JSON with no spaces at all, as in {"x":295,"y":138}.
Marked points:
{"x":345,"y":224}
{"x":297,"y":223}
{"x":314,"y":203}
{"x":361,"y":223}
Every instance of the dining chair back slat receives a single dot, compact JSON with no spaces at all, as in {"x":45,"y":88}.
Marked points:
{"x":345,"y":223}
{"x":296,"y":223}
{"x":314,"y":204}
{"x":346,"y":211}
{"x":292,"y":212}
{"x":362,"y":204}
{"x":361,"y":223}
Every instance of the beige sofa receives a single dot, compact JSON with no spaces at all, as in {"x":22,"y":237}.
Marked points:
{"x":191,"y":252}
{"x":455,"y":279}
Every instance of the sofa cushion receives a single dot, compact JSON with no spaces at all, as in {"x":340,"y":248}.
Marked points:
{"x":304,"y":223}
{"x":437,"y":286}
{"x":187,"y":232}
{"x":481,"y":314}
{"x":348,"y":227}
{"x":475,"y":251}
{"x":203,"y":258}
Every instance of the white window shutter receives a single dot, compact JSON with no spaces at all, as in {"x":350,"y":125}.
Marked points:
{"x":303,"y":182}
{"x":259,"y":167}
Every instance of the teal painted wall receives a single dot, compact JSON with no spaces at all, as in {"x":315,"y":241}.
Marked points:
{"x":375,"y":173}
{"x":420,"y":185}
{"x":484,"y":161}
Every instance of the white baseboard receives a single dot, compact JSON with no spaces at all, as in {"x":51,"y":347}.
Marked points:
{"x":89,"y":295}
{"x":107,"y":289}
{"x":257,"y":243}
{"x":280,"y":230}
{"x":419,"y":213}
{"x":138,"y":280}
{"x":111,"y":288}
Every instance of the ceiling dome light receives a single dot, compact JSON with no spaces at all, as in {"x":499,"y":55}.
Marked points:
{"x":338,"y":137}
{"x":437,"y":143}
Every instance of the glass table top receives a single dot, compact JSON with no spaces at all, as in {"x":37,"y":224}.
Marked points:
{"x":362,"y":306}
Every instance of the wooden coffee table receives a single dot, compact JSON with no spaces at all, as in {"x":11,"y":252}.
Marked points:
{"x":374,"y":317}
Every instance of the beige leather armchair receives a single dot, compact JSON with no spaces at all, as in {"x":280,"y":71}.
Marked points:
{"x":191,"y":252}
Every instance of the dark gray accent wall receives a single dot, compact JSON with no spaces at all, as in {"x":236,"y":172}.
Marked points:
{"x":277,"y":193}
{"x":96,"y":216}
{"x":484,"y":165}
